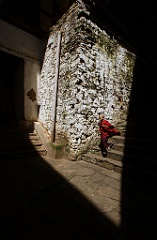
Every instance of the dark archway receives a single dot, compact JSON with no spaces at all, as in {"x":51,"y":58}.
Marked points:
{"x":11,"y":88}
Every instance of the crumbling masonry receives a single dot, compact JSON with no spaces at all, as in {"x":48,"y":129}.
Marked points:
{"x":84,"y":73}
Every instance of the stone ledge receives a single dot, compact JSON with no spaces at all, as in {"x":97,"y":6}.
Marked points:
{"x":54,"y":150}
{"x":57,"y":150}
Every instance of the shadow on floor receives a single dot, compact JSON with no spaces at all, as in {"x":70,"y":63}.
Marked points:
{"x":37,"y":203}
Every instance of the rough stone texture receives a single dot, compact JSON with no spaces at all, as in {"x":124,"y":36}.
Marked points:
{"x":95,"y":76}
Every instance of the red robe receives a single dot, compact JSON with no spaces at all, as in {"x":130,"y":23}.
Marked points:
{"x":109,"y":130}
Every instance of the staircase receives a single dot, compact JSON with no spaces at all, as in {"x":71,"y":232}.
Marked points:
{"x":135,"y":150}
{"x":19,"y":141}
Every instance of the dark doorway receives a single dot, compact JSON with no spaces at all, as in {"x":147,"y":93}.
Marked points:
{"x":11,"y":88}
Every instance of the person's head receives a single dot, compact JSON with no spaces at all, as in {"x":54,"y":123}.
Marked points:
{"x":101,"y":116}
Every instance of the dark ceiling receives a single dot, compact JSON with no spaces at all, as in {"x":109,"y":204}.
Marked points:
{"x":141,"y":20}
{"x":33,"y":16}
{"x":139,"y":17}
{"x":131,"y":21}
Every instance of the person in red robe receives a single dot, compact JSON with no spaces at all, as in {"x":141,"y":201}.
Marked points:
{"x":107,"y":130}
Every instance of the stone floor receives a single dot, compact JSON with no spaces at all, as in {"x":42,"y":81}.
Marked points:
{"x":44,"y":199}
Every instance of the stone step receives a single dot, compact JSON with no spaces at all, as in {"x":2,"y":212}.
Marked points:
{"x":21,"y":136}
{"x":133,"y":140}
{"x":20,"y":146}
{"x":119,"y":151}
{"x":133,"y":152}
{"x":24,"y":152}
{"x":135,"y":149}
{"x":24,"y":142}
{"x":118,"y":146}
{"x":9,"y":149}
{"x":133,"y":132}
{"x":20,"y":140}
{"x":131,"y":163}
{"x":107,"y":162}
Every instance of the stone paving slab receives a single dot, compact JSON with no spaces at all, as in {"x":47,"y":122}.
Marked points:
{"x":44,"y":198}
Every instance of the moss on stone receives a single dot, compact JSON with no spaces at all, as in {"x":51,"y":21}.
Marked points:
{"x":58,"y":146}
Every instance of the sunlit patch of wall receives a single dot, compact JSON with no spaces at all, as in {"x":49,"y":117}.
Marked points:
{"x":95,"y":75}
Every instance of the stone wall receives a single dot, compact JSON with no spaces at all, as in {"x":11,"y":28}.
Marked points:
{"x":19,"y":43}
{"x":28,"y":48}
{"x":95,"y":76}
